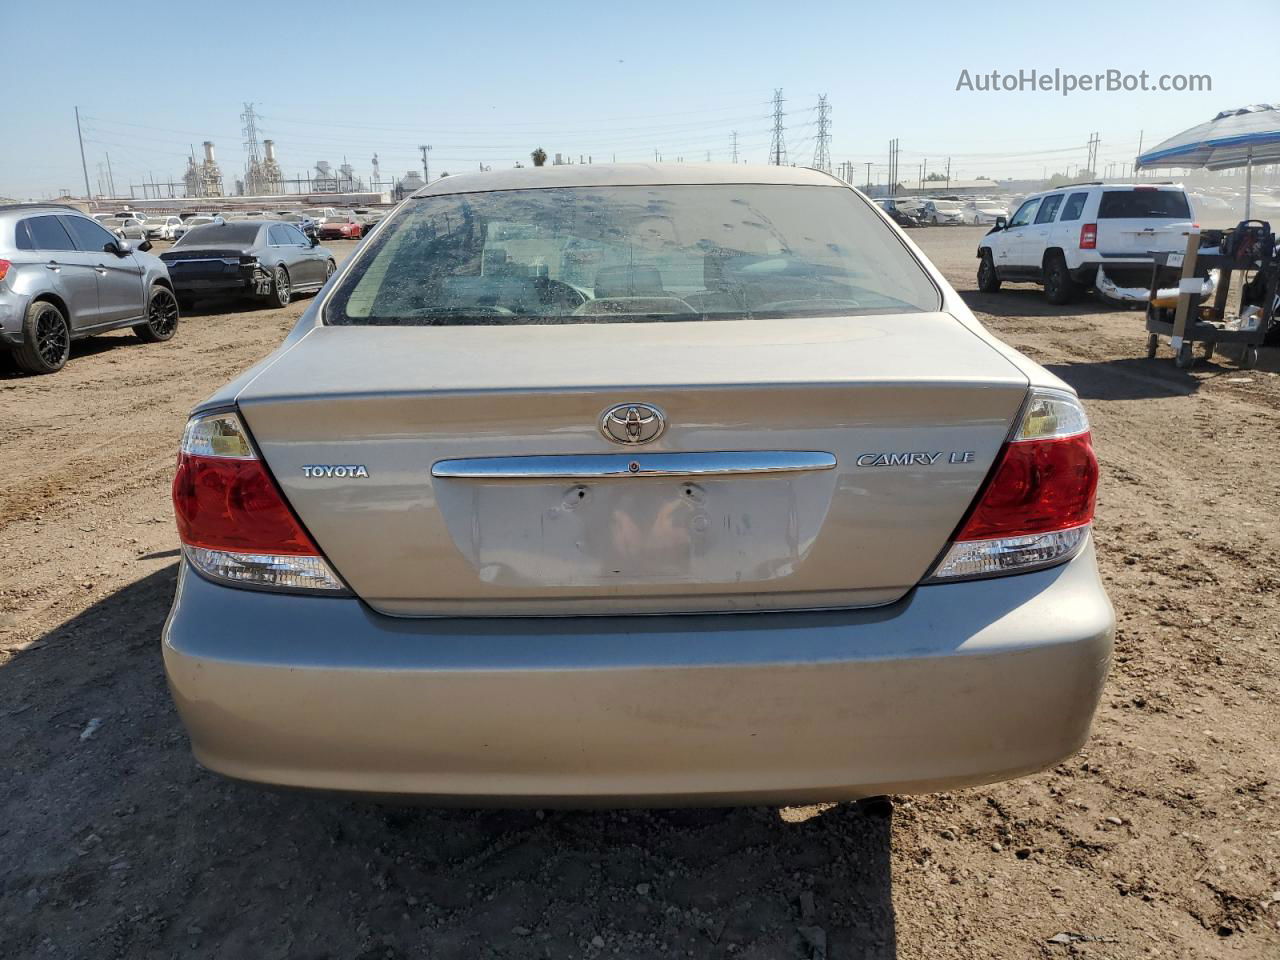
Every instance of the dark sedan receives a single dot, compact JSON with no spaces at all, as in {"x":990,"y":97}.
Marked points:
{"x":265,"y":259}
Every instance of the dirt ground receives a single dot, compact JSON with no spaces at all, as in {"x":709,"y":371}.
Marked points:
{"x":1161,"y":839}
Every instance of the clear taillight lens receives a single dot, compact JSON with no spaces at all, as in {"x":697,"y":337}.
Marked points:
{"x":234,"y":523}
{"x":1036,"y":506}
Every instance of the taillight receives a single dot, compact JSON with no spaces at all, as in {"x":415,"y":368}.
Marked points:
{"x":4,"y":268}
{"x":232,"y":519}
{"x":1089,"y":236}
{"x":1037,"y":503}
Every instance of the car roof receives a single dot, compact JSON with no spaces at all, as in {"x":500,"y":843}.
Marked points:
{"x":626,"y":175}
{"x":1099,"y":185}
{"x":61,"y":208}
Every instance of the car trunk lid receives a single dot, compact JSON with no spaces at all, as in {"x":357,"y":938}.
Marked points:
{"x":463,"y":471}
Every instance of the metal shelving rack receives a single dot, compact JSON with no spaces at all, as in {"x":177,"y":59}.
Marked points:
{"x":1185,"y":324}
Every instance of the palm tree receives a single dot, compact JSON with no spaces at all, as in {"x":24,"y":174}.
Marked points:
{"x":539,"y":157}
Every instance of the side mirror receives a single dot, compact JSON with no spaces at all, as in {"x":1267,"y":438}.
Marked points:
{"x":144,"y":246}
{"x":121,"y":248}
{"x":315,"y":241}
{"x":1001,"y":223}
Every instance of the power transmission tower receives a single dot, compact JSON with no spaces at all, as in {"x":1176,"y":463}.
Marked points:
{"x":822,"y":148}
{"x":778,"y":145}
{"x":868,"y":176}
{"x":426,"y":167}
{"x":1093,"y":154}
{"x":255,"y":181}
{"x":735,"y":146}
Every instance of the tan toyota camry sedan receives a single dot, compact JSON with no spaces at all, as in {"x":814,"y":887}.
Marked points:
{"x":637,"y":485}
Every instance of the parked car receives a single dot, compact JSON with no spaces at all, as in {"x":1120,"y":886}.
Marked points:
{"x":306,"y":224}
{"x":321,"y":214}
{"x":1061,"y":238}
{"x":64,"y":276}
{"x":161,"y":228}
{"x":942,"y":212}
{"x":979,"y":212}
{"x":896,"y":213}
{"x":194,"y":221}
{"x":126,"y":228}
{"x":426,"y":538}
{"x":341,"y":227}
{"x":369,"y":218}
{"x":269,"y":260}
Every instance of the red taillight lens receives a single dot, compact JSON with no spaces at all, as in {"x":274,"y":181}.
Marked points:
{"x":233,"y":505}
{"x":1089,"y":236}
{"x":234,"y":522}
{"x":4,"y":268}
{"x":1035,"y":508}
{"x":1039,"y":486}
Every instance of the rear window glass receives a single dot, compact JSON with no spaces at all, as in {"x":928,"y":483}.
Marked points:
{"x":632,"y":253}
{"x":220,"y":233}
{"x":1135,"y":204}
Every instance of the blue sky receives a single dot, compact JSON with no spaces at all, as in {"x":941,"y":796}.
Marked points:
{"x":487,"y":82}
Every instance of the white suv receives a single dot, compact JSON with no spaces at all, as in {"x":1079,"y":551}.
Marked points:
{"x":1061,"y":238}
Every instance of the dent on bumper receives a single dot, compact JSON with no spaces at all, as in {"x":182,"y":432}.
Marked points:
{"x":955,"y":685}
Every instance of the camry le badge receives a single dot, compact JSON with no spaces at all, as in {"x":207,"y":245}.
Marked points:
{"x":913,"y":459}
{"x":632,"y":423}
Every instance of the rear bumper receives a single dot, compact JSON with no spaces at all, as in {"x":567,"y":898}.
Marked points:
{"x":13,"y":311}
{"x":955,"y":685}
{"x":1124,"y":270}
{"x":245,"y":280}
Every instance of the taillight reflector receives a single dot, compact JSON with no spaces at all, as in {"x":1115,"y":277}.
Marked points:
{"x":1089,"y":236}
{"x":4,"y":268}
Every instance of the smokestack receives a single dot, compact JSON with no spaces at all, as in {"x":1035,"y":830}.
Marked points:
{"x":208,"y":152}
{"x":269,"y":147}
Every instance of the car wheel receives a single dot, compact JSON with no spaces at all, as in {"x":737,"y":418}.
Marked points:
{"x":46,"y":339}
{"x":162,"y":317}
{"x":988,"y":278}
{"x":330,"y":269}
{"x":935,"y":220}
{"x":1059,"y":288}
{"x":281,"y":290}
{"x":1153,"y":344}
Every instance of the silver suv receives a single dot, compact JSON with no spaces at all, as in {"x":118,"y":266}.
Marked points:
{"x":64,"y":276}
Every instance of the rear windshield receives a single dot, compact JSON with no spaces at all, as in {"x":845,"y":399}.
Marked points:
{"x":220,"y":233}
{"x":636,"y":253}
{"x":1134,"y":204}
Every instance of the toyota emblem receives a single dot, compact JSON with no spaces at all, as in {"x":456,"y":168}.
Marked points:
{"x":632,"y":423}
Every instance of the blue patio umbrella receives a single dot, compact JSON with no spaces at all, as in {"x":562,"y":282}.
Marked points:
{"x":1232,"y":139}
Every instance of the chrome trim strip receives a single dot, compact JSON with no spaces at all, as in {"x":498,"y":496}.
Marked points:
{"x":606,"y":465}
